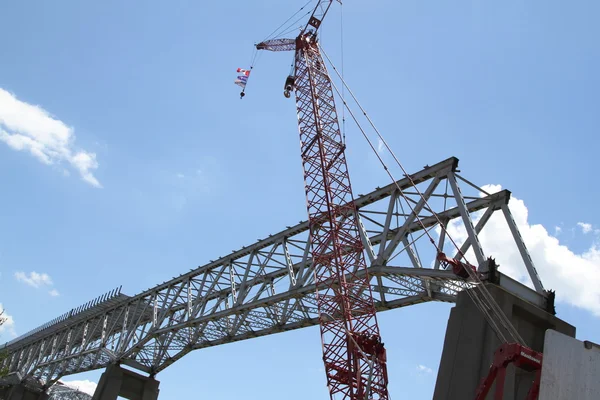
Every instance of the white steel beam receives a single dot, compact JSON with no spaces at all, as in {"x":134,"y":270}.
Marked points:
{"x":535,"y":278}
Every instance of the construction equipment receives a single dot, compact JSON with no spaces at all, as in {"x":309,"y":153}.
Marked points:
{"x":522,"y":357}
{"x":513,"y":348}
{"x":354,"y":356}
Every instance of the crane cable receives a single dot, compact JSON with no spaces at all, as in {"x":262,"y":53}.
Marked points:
{"x":385,"y":167}
{"x":484,"y":301}
{"x":294,"y":25}
{"x":253,"y":60}
{"x":343,"y":88}
{"x":256,"y":54}
{"x":274,"y":33}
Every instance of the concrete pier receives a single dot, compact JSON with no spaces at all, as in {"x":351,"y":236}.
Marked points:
{"x":117,"y":381}
{"x":470,"y":344}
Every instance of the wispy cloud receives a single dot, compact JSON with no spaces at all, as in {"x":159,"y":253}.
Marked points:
{"x":37,"y":280}
{"x":380,"y":145}
{"x":574,"y":276}
{"x":557,"y":230}
{"x":585,"y":227}
{"x":423,"y":368}
{"x":26,"y":127}
{"x":34,"y":279}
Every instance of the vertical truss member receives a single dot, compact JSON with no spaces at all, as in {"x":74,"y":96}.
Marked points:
{"x":354,"y":356}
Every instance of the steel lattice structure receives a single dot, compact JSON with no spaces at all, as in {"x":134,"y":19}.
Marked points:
{"x":346,"y":307}
{"x":353,"y":355}
{"x":60,"y":391}
{"x":268,"y":287}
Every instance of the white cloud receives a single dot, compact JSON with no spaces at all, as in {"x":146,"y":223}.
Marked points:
{"x":34,"y":279}
{"x":557,"y":230}
{"x":422,"y":368}
{"x":585,"y":227}
{"x":380,"y":145}
{"x":37,"y":280}
{"x":85,"y":386}
{"x":84,"y":162}
{"x":575,"y":277}
{"x":26,"y":127}
{"x":9,"y":323}
{"x":180,"y":175}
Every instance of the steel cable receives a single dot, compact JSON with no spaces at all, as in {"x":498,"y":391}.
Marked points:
{"x":484,"y":301}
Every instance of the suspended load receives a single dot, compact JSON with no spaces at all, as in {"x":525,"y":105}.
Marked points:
{"x":242,"y":79}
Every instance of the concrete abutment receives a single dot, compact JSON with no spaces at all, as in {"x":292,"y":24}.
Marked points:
{"x":470,"y":344}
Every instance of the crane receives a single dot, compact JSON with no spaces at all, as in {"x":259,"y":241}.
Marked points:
{"x":353,"y":353}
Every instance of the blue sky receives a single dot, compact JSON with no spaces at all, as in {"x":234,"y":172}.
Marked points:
{"x":161,"y":167}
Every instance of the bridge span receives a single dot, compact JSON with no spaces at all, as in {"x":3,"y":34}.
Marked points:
{"x":267,"y":287}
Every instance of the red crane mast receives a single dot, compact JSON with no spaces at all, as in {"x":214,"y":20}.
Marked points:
{"x":353,"y":354}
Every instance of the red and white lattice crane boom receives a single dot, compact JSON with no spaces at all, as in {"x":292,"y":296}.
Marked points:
{"x":353,"y":354}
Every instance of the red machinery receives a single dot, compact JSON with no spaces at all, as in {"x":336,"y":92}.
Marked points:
{"x":522,"y":357}
{"x":353,"y":354}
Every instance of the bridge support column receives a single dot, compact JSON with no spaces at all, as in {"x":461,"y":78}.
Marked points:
{"x":470,"y":344}
{"x":21,"y":392}
{"x":117,"y":381}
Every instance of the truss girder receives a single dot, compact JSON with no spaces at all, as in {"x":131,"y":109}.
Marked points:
{"x":261,"y":289}
{"x":60,"y":391}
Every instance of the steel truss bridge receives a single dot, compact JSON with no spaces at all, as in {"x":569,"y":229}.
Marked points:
{"x":268,"y":287}
{"x":60,"y":391}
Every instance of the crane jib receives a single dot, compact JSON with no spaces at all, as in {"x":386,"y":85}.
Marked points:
{"x":318,"y":15}
{"x":316,"y":23}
